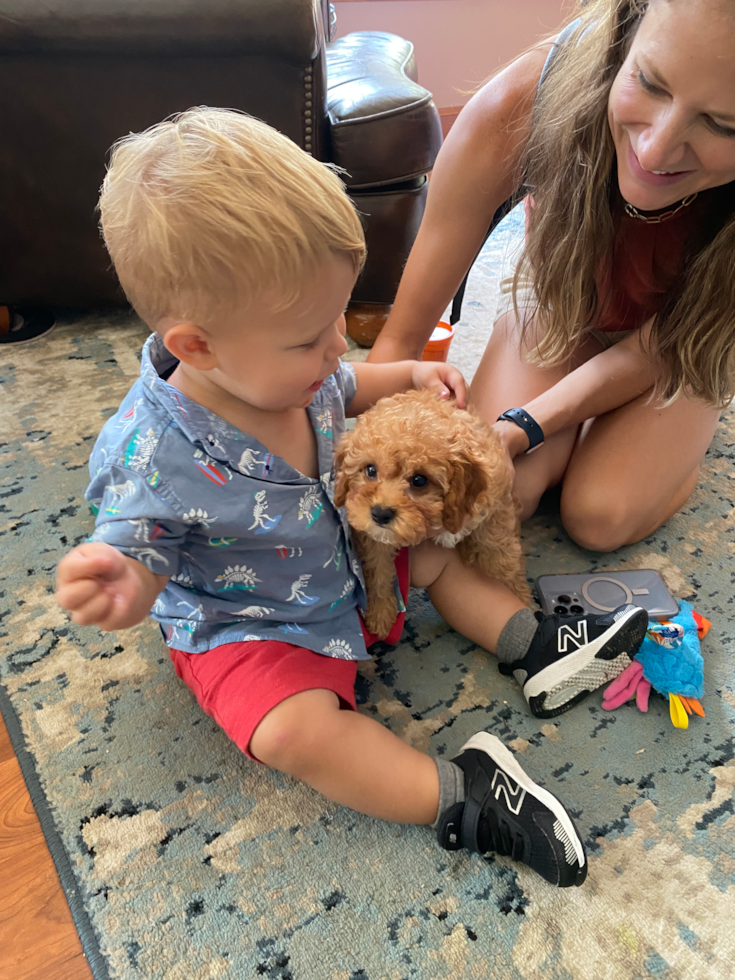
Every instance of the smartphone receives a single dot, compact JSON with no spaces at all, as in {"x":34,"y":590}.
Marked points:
{"x":591,"y":592}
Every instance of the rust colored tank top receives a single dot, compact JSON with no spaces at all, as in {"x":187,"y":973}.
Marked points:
{"x":645,"y":264}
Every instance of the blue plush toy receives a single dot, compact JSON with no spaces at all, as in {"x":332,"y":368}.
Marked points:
{"x":670,"y":661}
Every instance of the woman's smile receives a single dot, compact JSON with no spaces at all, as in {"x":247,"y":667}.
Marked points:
{"x":656,"y":178}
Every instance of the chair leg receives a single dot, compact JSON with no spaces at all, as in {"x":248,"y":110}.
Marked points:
{"x":6,"y":318}
{"x":365,"y":321}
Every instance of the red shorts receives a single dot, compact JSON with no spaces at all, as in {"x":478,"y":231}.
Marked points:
{"x":237,"y":684}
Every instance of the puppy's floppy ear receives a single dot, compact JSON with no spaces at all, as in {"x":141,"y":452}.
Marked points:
{"x":342,"y":481}
{"x":467,"y":480}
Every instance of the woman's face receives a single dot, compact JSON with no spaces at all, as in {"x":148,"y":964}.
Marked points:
{"x":672,"y":105}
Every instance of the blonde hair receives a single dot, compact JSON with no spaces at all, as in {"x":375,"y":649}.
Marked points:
{"x":570,"y":170}
{"x":212,"y":207}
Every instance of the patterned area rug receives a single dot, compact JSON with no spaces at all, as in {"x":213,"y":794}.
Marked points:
{"x":182,"y":860}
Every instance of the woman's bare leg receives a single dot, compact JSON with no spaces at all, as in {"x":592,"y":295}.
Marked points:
{"x":624,"y":474}
{"x":504,"y":380}
{"x":632,"y":469}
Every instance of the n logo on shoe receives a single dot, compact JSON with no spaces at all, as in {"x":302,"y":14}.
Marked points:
{"x":512,"y":792}
{"x":577,"y":635}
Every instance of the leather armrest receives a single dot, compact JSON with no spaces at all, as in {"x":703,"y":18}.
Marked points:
{"x":291,"y":30}
{"x":384,"y":126}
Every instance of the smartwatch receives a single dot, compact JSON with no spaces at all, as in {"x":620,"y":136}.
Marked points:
{"x":521,"y":418}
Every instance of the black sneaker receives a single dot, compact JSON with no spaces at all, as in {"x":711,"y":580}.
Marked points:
{"x":570,"y":656}
{"x":506,"y":812}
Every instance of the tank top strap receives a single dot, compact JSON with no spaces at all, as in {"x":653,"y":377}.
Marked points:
{"x":562,"y":39}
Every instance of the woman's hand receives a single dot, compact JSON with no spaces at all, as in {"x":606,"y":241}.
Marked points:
{"x":441,"y":378}
{"x":513,"y":440}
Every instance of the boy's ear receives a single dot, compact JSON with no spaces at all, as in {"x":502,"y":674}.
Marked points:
{"x":191,"y":345}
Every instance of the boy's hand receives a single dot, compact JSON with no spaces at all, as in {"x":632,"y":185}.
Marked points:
{"x":99,"y":586}
{"x":441,"y":378}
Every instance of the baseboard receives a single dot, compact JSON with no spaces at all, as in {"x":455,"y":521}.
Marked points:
{"x":448,"y":116}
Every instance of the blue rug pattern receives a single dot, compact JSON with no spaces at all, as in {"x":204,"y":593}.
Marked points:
{"x":183,"y":860}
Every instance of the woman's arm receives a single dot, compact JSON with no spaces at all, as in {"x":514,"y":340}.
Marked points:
{"x":374,"y":381}
{"x":477,"y":169}
{"x":604,"y":382}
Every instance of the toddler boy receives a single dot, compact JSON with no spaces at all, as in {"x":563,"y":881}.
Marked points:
{"x":213,"y":485}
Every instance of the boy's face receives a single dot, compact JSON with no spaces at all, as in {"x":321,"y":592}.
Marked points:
{"x":278,"y":361}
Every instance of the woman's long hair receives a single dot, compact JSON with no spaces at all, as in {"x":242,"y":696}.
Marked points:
{"x":571,"y":171}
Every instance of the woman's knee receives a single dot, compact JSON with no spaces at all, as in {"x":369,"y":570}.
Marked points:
{"x":602,"y":518}
{"x":597,"y":524}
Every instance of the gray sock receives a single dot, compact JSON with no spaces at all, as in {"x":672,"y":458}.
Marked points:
{"x":451,"y":786}
{"x":516,"y":636}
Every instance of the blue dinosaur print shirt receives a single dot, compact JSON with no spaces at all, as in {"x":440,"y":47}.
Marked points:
{"x":254,"y":549}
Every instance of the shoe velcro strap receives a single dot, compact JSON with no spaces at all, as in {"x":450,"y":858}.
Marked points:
{"x":478,"y":792}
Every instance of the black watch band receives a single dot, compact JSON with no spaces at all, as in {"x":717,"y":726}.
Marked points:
{"x":529,"y":425}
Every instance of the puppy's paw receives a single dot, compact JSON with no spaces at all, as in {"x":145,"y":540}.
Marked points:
{"x":381,"y":615}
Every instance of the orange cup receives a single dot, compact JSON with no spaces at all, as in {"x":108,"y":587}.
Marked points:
{"x":438,"y":345}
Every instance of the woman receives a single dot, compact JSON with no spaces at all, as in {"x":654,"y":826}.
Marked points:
{"x":616,"y":336}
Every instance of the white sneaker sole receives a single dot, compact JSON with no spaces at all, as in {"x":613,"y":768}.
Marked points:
{"x":594,"y":675}
{"x":584,"y":668}
{"x":504,"y":758}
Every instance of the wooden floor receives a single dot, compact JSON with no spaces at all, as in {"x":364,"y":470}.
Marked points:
{"x":38,"y":940}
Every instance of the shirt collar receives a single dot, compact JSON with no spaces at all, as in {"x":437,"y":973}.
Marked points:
{"x":218,"y":437}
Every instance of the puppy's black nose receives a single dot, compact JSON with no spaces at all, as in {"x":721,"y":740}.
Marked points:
{"x":382,"y":515}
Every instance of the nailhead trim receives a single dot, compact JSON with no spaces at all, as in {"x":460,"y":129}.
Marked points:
{"x":308,"y":115}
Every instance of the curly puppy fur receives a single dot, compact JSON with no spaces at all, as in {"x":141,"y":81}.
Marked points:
{"x":414,"y":464}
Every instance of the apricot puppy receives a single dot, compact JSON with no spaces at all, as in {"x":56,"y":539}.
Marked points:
{"x":415,"y":467}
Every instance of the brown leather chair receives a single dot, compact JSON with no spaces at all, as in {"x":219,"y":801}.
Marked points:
{"x":77,"y":74}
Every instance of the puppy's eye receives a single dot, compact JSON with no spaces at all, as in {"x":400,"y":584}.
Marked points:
{"x":371,"y":471}
{"x":418,"y":480}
